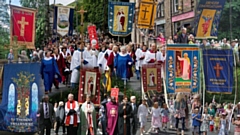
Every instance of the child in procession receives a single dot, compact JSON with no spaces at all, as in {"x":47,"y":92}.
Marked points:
{"x":196,"y":119}
{"x":237,"y":125}
{"x":205,"y":122}
{"x":217,"y":122}
{"x":223,"y":125}
{"x":165,"y":113}
{"x":211,"y":124}
{"x":156,"y":117}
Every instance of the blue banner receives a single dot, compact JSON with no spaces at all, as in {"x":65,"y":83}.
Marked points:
{"x":182,"y":68}
{"x":21,"y":94}
{"x":207,"y":18}
{"x":120,"y":18}
{"x":63,"y":20}
{"x":218,"y":70}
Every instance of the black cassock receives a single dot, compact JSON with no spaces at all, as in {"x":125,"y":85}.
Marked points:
{"x":121,"y":119}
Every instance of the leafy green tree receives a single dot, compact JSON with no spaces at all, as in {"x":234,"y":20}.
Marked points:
{"x":224,"y":25}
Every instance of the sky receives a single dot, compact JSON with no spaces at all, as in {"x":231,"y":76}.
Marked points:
{"x":64,"y":2}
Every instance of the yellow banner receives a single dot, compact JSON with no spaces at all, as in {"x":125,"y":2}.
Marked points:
{"x":147,"y":13}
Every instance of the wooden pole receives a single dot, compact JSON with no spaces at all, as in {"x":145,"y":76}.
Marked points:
{"x":125,"y":126}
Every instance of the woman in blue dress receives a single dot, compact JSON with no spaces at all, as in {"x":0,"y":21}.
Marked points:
{"x":49,"y":71}
{"x":121,"y":63}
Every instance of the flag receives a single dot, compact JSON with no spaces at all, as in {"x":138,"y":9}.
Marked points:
{"x":21,"y":97}
{"x":92,"y":33}
{"x":107,"y":83}
{"x":120,"y":18}
{"x":207,"y":18}
{"x":182,"y":68}
{"x":151,"y":77}
{"x":63,"y":20}
{"x":218,"y":70}
{"x":146,"y":14}
{"x":23,"y":26}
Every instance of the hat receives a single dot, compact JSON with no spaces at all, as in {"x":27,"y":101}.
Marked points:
{"x":235,"y":40}
{"x":224,"y":113}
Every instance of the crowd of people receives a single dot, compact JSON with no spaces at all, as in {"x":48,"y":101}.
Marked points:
{"x":62,"y":62}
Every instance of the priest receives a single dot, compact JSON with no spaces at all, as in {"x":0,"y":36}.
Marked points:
{"x":112,"y":116}
{"x":122,"y":62}
{"x":72,"y":115}
{"x":153,"y":56}
{"x":88,"y":118}
{"x":124,"y":115}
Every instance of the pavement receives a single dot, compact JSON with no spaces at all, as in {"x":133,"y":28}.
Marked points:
{"x":135,"y":85}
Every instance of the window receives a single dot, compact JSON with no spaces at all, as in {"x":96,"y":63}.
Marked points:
{"x":175,"y":5}
{"x":160,"y":29}
{"x":160,"y":10}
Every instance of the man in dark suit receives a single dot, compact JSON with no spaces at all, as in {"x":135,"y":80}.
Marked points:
{"x":183,"y":37}
{"x":134,"y":119}
{"x":47,"y":116}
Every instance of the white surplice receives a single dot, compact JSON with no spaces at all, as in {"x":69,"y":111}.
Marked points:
{"x":139,"y":54}
{"x":149,"y":56}
{"x":102,"y":61}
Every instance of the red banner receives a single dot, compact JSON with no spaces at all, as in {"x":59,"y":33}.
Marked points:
{"x":114,"y":93}
{"x":151,"y":77}
{"x":23,"y":26}
{"x":89,"y":85}
{"x":92,"y":33}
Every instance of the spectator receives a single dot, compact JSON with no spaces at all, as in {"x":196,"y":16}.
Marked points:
{"x":183,"y":38}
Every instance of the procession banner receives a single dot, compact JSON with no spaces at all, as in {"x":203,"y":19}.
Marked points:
{"x":115,"y":93}
{"x":89,"y":85}
{"x":182,"y":68}
{"x":92,"y":33}
{"x":207,"y":18}
{"x":63,"y":20}
{"x":21,"y":94}
{"x":151,"y":77}
{"x":120,"y":18}
{"x":147,"y":14}
{"x":23,"y":26}
{"x":218,"y":70}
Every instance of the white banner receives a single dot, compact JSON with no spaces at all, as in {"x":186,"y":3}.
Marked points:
{"x":63,"y":20}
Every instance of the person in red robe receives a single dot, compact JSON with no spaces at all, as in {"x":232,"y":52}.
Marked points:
{"x":112,"y":116}
{"x":206,"y":24}
{"x":110,"y":61}
{"x":60,"y":63}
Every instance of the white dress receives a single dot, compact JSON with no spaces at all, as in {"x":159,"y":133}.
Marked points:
{"x":142,"y":114}
{"x":156,"y":119}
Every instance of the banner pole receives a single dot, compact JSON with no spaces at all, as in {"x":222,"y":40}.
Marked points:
{"x":203,"y":83}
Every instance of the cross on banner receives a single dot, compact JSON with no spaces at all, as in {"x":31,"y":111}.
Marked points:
{"x":145,"y":12}
{"x":22,"y":23}
{"x":217,"y":68}
{"x":82,"y":11}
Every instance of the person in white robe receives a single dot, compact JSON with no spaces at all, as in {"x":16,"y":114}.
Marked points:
{"x":153,"y":56}
{"x":186,"y":66}
{"x":94,"y":56}
{"x":88,"y":58}
{"x":142,"y":115}
{"x":140,"y":55}
{"x":79,"y":58}
{"x":102,"y":60}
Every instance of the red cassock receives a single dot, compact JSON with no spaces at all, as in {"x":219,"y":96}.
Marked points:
{"x":110,"y":60}
{"x":61,"y":63}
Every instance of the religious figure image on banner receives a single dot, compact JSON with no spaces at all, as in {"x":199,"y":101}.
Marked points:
{"x":206,"y":23}
{"x":90,"y":83}
{"x":152,"y":77}
{"x":120,"y":18}
{"x":183,"y":68}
